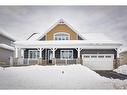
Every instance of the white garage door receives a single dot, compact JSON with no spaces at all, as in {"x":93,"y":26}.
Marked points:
{"x":98,"y":61}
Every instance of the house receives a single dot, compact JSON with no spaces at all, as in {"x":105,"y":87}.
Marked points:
{"x":62,"y":44}
{"x":6,"y":48}
{"x":123,"y":56}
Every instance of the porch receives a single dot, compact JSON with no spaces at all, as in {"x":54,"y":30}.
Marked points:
{"x":47,"y":56}
{"x":57,"y":52}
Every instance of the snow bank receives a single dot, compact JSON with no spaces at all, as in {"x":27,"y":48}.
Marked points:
{"x":55,"y":77}
{"x":122,"y":69}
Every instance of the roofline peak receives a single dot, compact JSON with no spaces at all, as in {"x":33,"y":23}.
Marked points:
{"x":61,"y":21}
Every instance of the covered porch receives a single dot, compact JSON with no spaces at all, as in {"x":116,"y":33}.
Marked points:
{"x":47,"y":56}
{"x":55,"y":52}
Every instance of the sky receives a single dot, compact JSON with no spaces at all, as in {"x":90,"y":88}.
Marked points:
{"x":22,"y":21}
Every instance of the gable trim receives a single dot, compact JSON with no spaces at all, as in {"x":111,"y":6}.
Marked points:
{"x":58,"y":22}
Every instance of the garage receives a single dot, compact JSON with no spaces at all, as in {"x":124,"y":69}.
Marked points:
{"x":98,"y":61}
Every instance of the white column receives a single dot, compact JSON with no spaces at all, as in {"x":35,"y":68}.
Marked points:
{"x":22,"y":55}
{"x":16,"y":52}
{"x":78,"y":52}
{"x":40,"y":53}
{"x":53,"y":50}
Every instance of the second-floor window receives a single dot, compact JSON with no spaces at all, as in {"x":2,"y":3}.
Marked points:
{"x":61,"y":36}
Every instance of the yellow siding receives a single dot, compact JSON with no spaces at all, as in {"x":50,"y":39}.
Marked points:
{"x":61,"y":28}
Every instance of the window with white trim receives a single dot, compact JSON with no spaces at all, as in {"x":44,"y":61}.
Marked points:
{"x":33,"y":54}
{"x":61,"y":36}
{"x":66,"y":54}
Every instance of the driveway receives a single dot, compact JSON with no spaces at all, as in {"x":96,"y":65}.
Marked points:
{"x":112,"y":74}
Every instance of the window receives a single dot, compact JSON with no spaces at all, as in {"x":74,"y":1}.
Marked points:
{"x":93,"y":56}
{"x":33,"y":54}
{"x":100,"y":56}
{"x":66,"y":54}
{"x":61,"y":36}
{"x":108,"y":56}
{"x":86,"y":56}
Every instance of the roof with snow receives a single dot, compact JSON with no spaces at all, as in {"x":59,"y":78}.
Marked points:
{"x":7,"y":47}
{"x":37,"y":36}
{"x":88,"y":37}
{"x":66,"y":44}
{"x":6,"y":35}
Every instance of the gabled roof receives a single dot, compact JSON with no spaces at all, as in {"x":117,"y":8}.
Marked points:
{"x":38,"y":36}
{"x":89,"y":37}
{"x":6,"y":35}
{"x":34,"y":36}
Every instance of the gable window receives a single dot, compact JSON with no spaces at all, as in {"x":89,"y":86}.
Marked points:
{"x":61,"y":36}
{"x":66,"y":54}
{"x":33,"y":54}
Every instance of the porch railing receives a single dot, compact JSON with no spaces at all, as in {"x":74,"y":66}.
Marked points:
{"x":66,"y":61}
{"x":27,"y":61}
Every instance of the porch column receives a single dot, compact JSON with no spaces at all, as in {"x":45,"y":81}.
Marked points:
{"x":16,"y":52}
{"x":22,"y":53}
{"x":78,"y":61}
{"x":53,"y":56}
{"x":40,"y":55}
{"x":53,"y":50}
{"x":78,"y":52}
{"x":117,"y":51}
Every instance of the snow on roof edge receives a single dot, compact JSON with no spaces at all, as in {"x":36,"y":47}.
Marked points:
{"x":7,"y":47}
{"x":51,"y":42}
{"x":6,"y":35}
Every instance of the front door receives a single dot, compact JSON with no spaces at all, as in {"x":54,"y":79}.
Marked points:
{"x":50,"y":55}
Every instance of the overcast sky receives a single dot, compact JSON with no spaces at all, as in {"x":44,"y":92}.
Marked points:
{"x":21,"y":21}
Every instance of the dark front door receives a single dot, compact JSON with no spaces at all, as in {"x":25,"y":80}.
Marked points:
{"x":50,"y":55}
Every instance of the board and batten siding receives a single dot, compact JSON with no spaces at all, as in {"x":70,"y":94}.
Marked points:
{"x":61,"y":28}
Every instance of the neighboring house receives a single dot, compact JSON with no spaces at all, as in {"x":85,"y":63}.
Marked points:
{"x":61,"y":44}
{"x":6,"y":48}
{"x":123,"y":56}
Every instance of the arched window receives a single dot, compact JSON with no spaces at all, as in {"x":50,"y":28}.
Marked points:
{"x":61,"y":36}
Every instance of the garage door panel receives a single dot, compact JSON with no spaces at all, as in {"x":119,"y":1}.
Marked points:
{"x":98,"y":61}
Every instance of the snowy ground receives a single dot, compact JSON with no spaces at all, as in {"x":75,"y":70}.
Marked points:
{"x":122,"y":69}
{"x":56,"y":77}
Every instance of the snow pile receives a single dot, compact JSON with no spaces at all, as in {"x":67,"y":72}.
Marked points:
{"x":122,"y":69}
{"x":55,"y":77}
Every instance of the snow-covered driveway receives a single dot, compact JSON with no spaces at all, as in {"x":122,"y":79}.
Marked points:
{"x":56,"y":77}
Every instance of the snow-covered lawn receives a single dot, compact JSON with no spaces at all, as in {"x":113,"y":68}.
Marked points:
{"x":56,"y":77}
{"x":122,"y":69}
